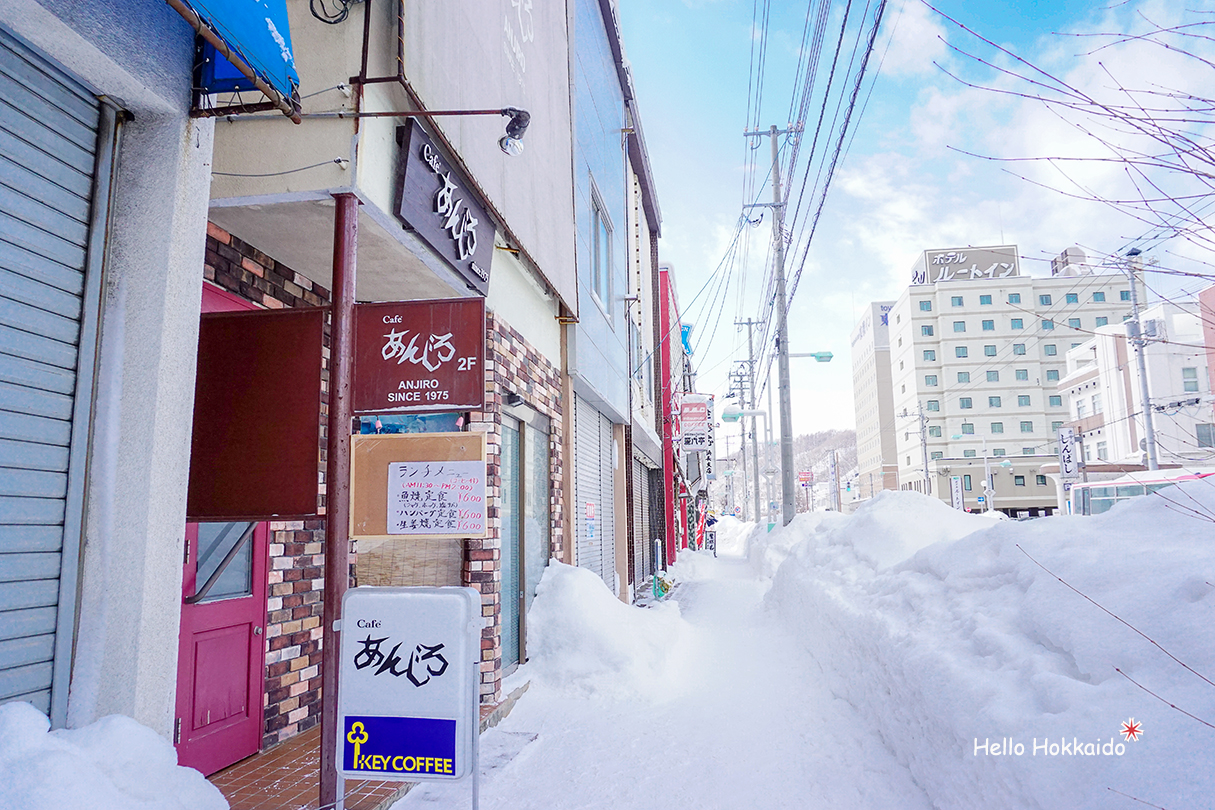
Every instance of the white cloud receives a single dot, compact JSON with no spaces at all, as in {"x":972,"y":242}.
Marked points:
{"x":918,"y":40}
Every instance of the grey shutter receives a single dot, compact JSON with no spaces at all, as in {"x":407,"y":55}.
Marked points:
{"x":608,"y":493}
{"x":587,"y":485}
{"x":51,"y":231}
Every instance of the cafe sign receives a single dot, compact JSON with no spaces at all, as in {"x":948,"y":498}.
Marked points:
{"x":419,"y":356}
{"x":438,"y":204}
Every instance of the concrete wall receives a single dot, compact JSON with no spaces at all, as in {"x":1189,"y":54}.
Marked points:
{"x":138,"y":53}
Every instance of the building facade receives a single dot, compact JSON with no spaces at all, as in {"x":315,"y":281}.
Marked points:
{"x":977,"y":349}
{"x":873,"y":400}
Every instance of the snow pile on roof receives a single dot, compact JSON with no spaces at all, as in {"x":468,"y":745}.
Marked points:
{"x":937,"y":627}
{"x":584,"y":641}
{"x":113,"y":764}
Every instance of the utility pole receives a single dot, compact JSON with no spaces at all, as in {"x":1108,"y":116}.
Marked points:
{"x":739,"y":379}
{"x":1149,"y":429}
{"x":750,"y":324}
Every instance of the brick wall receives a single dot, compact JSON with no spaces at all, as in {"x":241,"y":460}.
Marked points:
{"x":511,"y":365}
{"x":297,"y":556}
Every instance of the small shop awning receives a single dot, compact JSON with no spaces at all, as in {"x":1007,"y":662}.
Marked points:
{"x":254,"y":37}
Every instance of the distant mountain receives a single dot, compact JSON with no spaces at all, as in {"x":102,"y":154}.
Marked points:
{"x":810,"y":452}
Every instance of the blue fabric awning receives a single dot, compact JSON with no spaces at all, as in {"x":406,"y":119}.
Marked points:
{"x":255,"y":32}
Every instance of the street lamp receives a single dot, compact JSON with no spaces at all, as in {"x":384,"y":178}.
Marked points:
{"x":819,"y":357}
{"x":989,"y":489}
{"x":734,"y":413}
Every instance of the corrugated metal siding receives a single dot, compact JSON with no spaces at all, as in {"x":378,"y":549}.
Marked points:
{"x":593,"y":485}
{"x":511,"y":527}
{"x":48,"y":159}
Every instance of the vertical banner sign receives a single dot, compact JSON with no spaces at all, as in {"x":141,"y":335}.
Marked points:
{"x":694,"y":416}
{"x":408,"y":683}
{"x":436,"y":497}
{"x":419,"y":356}
{"x":955,"y":492}
{"x":1069,"y":465}
{"x":711,"y":450}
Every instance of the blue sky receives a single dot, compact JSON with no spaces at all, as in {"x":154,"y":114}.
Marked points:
{"x":900,"y":188}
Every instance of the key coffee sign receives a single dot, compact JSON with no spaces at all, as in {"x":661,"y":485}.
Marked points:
{"x":419,"y":356}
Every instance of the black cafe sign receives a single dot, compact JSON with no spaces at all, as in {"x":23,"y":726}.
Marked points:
{"x":437,"y":203}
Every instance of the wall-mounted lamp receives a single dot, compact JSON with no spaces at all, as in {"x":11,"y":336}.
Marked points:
{"x":514,"y":400}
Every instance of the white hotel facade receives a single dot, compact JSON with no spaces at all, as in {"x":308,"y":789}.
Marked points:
{"x":976,"y":351}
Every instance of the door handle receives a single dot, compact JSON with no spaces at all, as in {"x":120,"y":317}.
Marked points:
{"x":257,"y":631}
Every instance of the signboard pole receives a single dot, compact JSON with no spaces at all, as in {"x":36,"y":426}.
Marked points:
{"x":337,"y":482}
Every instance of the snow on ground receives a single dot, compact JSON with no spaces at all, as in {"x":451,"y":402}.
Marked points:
{"x":877,"y":660}
{"x":113,"y":764}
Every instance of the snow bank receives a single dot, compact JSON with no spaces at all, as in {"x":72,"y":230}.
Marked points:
{"x":584,"y":641}
{"x":732,"y":536}
{"x":938,"y":628}
{"x":113,"y":764}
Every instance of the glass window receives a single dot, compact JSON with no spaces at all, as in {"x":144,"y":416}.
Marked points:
{"x":1048,"y":325}
{"x":1102,"y":320}
{"x":926,"y":330}
{"x":1054,"y":426}
{"x":1014,"y":298}
{"x":1124,"y":295}
{"x":969,"y":453}
{"x":930,"y":379}
{"x":989,"y":350}
{"x":1027,"y":451}
{"x":966,"y":482}
{"x":934,"y":431}
{"x":601,"y":267}
{"x":1098,"y":297}
{"x":215,"y":543}
{"x":1018,"y":323}
{"x":1189,"y":379}
{"x":965,"y":403}
{"x":930,"y":354}
{"x":997,"y":427}
{"x":1052,"y":375}
{"x":959,"y":326}
{"x":968,"y":429}
{"x":933,"y":405}
{"x":1074,"y":323}
{"x":1044,"y":300}
{"x":993,"y":376}
{"x":960,"y":351}
{"x":1023,"y":401}
{"x":1056,"y":401}
{"x":925,"y":306}
{"x":989,"y":326}
{"x":1018,"y":348}
{"x":900,"y":365}
{"x":1081,"y":409}
{"x":993,"y":402}
{"x":1027,"y":427}
{"x":1018,"y":480}
{"x":1072,"y":298}
{"x":1103,"y":453}
{"x":1206,"y":435}
{"x":984,"y":300}
{"x":999,"y":451}
{"x":1040,"y":480}
{"x":937,"y":454}
{"x":963,"y":376}
{"x":1021,"y":374}
{"x":1051,"y":349}
{"x":956,"y":301}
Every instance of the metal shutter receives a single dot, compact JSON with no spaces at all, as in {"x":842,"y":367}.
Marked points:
{"x":593,"y":486}
{"x":643,"y":551}
{"x":50,"y":233}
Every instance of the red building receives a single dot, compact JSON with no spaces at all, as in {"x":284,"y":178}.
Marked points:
{"x":673,"y":360}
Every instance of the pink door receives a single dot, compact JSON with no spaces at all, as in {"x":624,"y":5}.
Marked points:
{"x":221,"y":650}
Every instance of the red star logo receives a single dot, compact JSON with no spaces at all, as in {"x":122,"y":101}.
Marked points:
{"x":1132,"y":730}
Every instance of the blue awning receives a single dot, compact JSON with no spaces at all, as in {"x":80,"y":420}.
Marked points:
{"x":255,"y":33}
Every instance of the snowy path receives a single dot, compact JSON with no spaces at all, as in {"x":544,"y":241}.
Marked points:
{"x":744,"y":724}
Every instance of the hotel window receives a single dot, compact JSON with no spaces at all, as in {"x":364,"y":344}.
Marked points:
{"x":999,"y":451}
{"x":1189,"y":379}
{"x":989,"y":326}
{"x":1072,"y":298}
{"x":984,"y":300}
{"x":965,"y":403}
{"x":1054,"y":426}
{"x":963,"y":376}
{"x":969,"y":453}
{"x":1048,"y":325}
{"x":937,"y":454}
{"x":959,"y":326}
{"x":956,"y":301}
{"x":1040,"y":480}
{"x":1099,"y":297}
{"x":1014,"y":298}
{"x":1205,"y":434}
{"x":932,"y":405}
{"x":1074,"y":323}
{"x":1102,"y":320}
{"x":1124,"y":295}
{"x":1017,"y":323}
{"x":1023,"y":401}
{"x":1021,"y":374}
{"x":1051,"y":349}
{"x":1027,"y":427}
{"x":934,"y":431}
{"x":993,"y":376}
{"x":926,"y":330}
{"x":930,"y":379}
{"x":925,"y":306}
{"x":1056,"y":401}
{"x":960,"y":351}
{"x":968,"y":429}
{"x":1044,"y":300}
{"x":1052,"y":375}
{"x":989,"y":350}
{"x":930,"y":354}
{"x":993,"y":402}
{"x":1027,"y":451}
{"x":1018,"y":480}
{"x":1018,"y":348}
{"x":997,"y":427}
{"x":966,"y":482}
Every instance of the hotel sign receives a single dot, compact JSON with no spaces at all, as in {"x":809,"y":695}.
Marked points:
{"x":419,"y":356}
{"x":438,"y":204}
{"x":966,"y":264}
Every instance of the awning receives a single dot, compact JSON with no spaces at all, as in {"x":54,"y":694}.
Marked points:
{"x":252,"y":35}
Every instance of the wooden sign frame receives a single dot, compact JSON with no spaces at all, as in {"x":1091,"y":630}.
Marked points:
{"x":370,"y":455}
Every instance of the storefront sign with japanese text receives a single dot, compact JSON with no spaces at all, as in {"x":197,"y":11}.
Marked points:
{"x":419,"y":356}
{"x":436,"y":497}
{"x":694,"y":418}
{"x":964,"y":264}
{"x":407,"y":690}
{"x":1069,"y":465}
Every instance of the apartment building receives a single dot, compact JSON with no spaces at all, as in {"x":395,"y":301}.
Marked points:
{"x":977,"y":348}
{"x":874,"y":404}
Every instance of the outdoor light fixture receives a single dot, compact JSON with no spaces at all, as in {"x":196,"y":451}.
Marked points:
{"x":513,"y":399}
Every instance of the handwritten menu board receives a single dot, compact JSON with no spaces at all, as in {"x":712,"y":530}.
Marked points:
{"x":436,"y":497}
